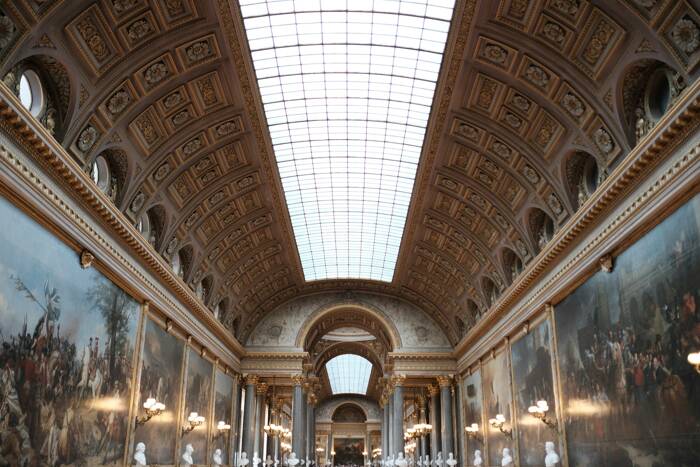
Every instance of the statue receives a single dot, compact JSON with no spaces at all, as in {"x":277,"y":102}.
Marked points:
{"x":243,"y":461}
{"x":269,"y":461}
{"x":551,"y":458}
{"x":292,"y":460}
{"x":256,"y":460}
{"x":507,"y":460}
{"x":140,"y":454}
{"x":640,"y":125}
{"x":419,"y":461}
{"x":426,"y":461}
{"x":216,"y":457}
{"x":307,"y":462}
{"x":478,"y":461}
{"x":389,"y":461}
{"x":451,"y":461}
{"x":438,"y":461}
{"x":187,"y":455}
{"x":51,"y":121}
{"x":400,"y":461}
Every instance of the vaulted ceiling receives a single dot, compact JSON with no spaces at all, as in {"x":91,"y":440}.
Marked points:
{"x":166,"y":89}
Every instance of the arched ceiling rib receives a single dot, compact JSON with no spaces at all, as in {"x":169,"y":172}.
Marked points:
{"x":524,"y":83}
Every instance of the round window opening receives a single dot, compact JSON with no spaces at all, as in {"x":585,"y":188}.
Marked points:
{"x":31,"y":92}
{"x":100,"y":173}
{"x":658,"y":94}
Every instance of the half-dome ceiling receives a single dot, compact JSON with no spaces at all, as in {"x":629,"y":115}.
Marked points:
{"x":535,"y":102}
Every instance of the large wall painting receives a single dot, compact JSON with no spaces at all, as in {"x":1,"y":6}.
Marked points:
{"x":160,"y":379}
{"x":223,"y":411}
{"x":531,"y":357}
{"x":629,"y":396}
{"x":198,"y":388}
{"x":67,"y":341}
{"x":495,"y":378}
{"x":472,"y":414}
{"x":348,"y":451}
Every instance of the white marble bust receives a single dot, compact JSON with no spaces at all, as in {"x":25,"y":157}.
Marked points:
{"x":216,"y":458}
{"x":507,"y":459}
{"x":438,"y":460}
{"x":400,"y":461}
{"x":243,"y":461}
{"x":551,"y":458}
{"x":478,"y":461}
{"x":269,"y":461}
{"x":256,"y":460}
{"x":451,"y":461}
{"x":390,"y":461}
{"x":426,"y":461}
{"x":140,"y":454}
{"x":187,"y":455}
{"x":292,"y":460}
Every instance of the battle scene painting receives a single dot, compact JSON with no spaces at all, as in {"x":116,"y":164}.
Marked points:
{"x":630,"y":398}
{"x":531,"y":357}
{"x":67,"y":339}
{"x":223,"y":411}
{"x":348,"y":452}
{"x":198,"y":386}
{"x":161,"y":369}
{"x":495,"y":378}
{"x":472,"y":414}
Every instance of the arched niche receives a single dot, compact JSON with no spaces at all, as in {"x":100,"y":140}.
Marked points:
{"x":647,"y":90}
{"x":512,"y":264}
{"x":45,"y":81}
{"x":109,"y":170}
{"x":489,"y":290}
{"x":349,"y":412}
{"x":541,"y":227}
{"x":582,"y":174}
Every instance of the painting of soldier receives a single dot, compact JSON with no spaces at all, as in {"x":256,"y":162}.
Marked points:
{"x":629,"y":395}
{"x":498,"y":400}
{"x":67,"y":341}
{"x":198,"y":387}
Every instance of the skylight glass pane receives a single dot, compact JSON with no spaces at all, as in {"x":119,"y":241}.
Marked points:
{"x":349,"y":374}
{"x":347,"y":95}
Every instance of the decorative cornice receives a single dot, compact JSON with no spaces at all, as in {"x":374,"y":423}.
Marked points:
{"x":671,"y":131}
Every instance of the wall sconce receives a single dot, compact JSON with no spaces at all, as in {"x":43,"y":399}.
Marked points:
{"x":221,"y":428}
{"x":194,"y":421}
{"x":694,"y":359}
{"x":498,"y":423}
{"x":153,"y":409}
{"x":539,"y":411}
{"x":472,"y":431}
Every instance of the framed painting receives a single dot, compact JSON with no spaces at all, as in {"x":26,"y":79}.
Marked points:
{"x":223,"y":417}
{"x":198,"y":393}
{"x":498,"y":400}
{"x":473,"y":418}
{"x":348,"y":451}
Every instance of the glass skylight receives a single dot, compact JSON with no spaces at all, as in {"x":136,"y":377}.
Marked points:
{"x":347,"y":87}
{"x":349,"y":374}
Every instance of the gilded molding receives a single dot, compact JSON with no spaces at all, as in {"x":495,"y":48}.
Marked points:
{"x":433,"y":390}
{"x":444,"y":381}
{"x":251,"y":380}
{"x":298,"y":379}
{"x":261,"y":389}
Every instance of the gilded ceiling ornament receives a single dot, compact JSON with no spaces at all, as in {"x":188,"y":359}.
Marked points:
{"x":531,"y":174}
{"x":181,"y":117}
{"x":203,"y":163}
{"x":138,"y":201}
{"x":162,"y":171}
{"x":206,"y":89}
{"x":521,"y":102}
{"x":537,"y":76}
{"x":468,"y":132}
{"x":120,"y":6}
{"x":156,"y":73}
{"x":513,"y":120}
{"x":175,"y":7}
{"x":7,"y":31}
{"x":245,"y":182}
{"x":478,"y":200}
{"x":572,"y":104}
{"x":554,"y":204}
{"x":139,"y":29}
{"x":645,"y":3}
{"x":147,"y":129}
{"x":208,"y":177}
{"x":599,"y":40}
{"x":518,"y":8}
{"x":554,"y":32}
{"x":217,"y":197}
{"x":118,"y":102}
{"x":94,"y":41}
{"x":192,"y":146}
{"x":501,"y":149}
{"x":192,"y":219}
{"x":87,"y":138}
{"x":484,"y":177}
{"x":198,"y":51}
{"x":495,"y":53}
{"x":226,"y":128}
{"x":546,"y":132}
{"x":173,"y":100}
{"x":603,"y":140}
{"x":449,"y":184}
{"x":569,"y":7}
{"x":501,"y":221}
{"x":686,"y":35}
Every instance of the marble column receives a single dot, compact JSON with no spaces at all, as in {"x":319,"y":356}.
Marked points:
{"x":261,"y":394}
{"x":446,"y":415}
{"x":398,"y":416}
{"x":434,"y":392}
{"x":311,"y":426}
{"x":298,"y":417}
{"x":390,"y":422}
{"x":235,"y":420}
{"x":423,"y":441}
{"x":382,"y":407}
{"x":248,"y":430}
{"x":459,"y":422}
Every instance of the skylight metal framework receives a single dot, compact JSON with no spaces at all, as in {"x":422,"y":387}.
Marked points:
{"x":349,"y":374}
{"x":347,"y":87}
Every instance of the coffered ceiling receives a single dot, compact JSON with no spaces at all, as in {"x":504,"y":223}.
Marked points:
{"x":168,"y":89}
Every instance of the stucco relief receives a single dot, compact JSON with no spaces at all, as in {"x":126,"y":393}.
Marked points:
{"x":416,"y":329}
{"x":324,"y":412}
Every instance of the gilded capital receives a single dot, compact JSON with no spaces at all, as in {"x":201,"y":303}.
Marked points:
{"x":444,"y":381}
{"x":261,"y":388}
{"x":298,"y":380}
{"x":251,"y":379}
{"x":433,"y":390}
{"x":397,"y":380}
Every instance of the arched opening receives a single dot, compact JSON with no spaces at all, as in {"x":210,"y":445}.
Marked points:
{"x":349,"y":413}
{"x":541,"y":227}
{"x":109,"y":172}
{"x":512,"y":264}
{"x":582,"y":176}
{"x":490,"y":290}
